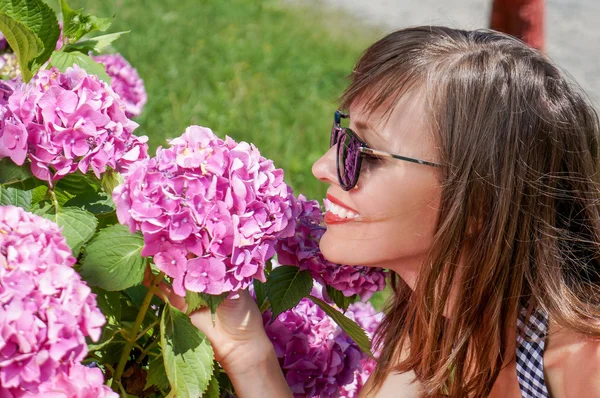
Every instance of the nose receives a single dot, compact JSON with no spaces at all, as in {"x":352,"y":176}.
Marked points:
{"x":324,"y":169}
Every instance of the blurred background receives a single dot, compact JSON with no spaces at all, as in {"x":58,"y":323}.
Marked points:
{"x":269,"y":72}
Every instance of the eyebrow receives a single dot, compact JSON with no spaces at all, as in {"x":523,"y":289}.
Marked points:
{"x":362,"y":127}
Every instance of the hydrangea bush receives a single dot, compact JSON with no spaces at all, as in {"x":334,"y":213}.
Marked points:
{"x":85,"y":213}
{"x":46,"y":310}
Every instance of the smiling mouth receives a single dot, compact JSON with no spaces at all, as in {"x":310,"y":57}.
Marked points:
{"x":335,"y":213}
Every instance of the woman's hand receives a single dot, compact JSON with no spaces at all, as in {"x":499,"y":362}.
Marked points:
{"x":237,"y":336}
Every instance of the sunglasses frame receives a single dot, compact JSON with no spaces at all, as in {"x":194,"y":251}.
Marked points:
{"x":363,"y":150}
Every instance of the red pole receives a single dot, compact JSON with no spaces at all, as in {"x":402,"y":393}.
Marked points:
{"x":520,"y":18}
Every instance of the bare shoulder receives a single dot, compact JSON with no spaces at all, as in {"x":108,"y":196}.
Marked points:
{"x":572,"y":364}
{"x":396,"y":385}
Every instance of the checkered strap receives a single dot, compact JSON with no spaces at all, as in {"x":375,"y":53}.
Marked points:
{"x":530,"y":353}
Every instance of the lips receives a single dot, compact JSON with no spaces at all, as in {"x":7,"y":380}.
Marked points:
{"x":338,"y":212}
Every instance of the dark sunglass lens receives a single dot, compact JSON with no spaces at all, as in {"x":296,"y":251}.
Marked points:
{"x":348,"y":153}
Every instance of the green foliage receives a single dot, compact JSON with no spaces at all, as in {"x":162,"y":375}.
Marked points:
{"x":286,"y":286}
{"x":339,"y":299}
{"x":11,"y":174}
{"x":194,"y":301}
{"x":78,"y":226}
{"x":347,"y":324}
{"x":31,"y":29}
{"x":187,"y":354}
{"x":15,"y":197}
{"x":157,"y":375}
{"x":213,"y":301}
{"x":213,"y":390}
{"x":112,"y":259}
{"x":109,"y":303}
{"x":23,"y":41}
{"x":95,"y":44}
{"x":260,"y":291}
{"x":63,"y":60}
{"x":76,"y":23}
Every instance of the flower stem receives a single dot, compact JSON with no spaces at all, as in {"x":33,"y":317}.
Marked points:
{"x":134,"y":330}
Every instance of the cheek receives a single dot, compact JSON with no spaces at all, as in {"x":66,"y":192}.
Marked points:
{"x":393,"y":232}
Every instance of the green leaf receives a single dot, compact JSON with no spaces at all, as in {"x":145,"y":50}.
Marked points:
{"x":348,"y":325}
{"x":109,"y":333}
{"x":109,"y":303}
{"x":157,"y":375}
{"x":95,"y":44}
{"x":112,"y":259}
{"x":194,"y":301}
{"x":110,"y":180}
{"x":286,"y":286}
{"x":63,"y":60}
{"x":111,"y":351}
{"x":213,"y":301}
{"x":38,"y":194}
{"x":15,"y":197}
{"x":23,"y":41}
{"x":213,"y":390}
{"x":32,"y":51}
{"x":77,"y":24}
{"x":137,"y":294}
{"x":260,"y":290}
{"x":339,"y":299}
{"x":95,"y":202}
{"x":10,"y":173}
{"x":187,"y":353}
{"x":78,"y":226}
{"x":78,"y":183}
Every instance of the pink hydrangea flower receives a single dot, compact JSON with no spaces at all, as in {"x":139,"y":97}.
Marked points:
{"x":46,"y":310}
{"x":63,"y":122}
{"x":210,"y":211}
{"x":126,"y":82}
{"x":317,"y":357}
{"x":369,"y":320}
{"x":302,"y":249}
{"x":77,"y":381}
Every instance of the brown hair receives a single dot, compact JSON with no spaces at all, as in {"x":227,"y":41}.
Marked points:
{"x":519,"y":149}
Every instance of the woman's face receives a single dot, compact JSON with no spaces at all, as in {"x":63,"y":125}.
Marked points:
{"x":395,"y":203}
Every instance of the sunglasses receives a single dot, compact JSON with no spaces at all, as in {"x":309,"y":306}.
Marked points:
{"x":351,"y":150}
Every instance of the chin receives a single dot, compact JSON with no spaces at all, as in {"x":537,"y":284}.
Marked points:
{"x":340,"y":252}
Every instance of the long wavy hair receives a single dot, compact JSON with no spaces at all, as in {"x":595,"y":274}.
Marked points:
{"x":519,"y":145}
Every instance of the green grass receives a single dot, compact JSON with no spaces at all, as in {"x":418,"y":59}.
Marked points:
{"x":259,"y":71}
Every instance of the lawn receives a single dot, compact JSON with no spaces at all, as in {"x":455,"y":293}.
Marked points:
{"x":260,"y":71}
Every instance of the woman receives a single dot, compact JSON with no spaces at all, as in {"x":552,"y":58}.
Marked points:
{"x":482,"y":197}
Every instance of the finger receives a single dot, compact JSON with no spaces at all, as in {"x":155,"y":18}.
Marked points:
{"x":165,"y":291}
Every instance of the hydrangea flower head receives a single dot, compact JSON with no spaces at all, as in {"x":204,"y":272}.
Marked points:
{"x":317,"y":357}
{"x":63,"y":122}
{"x":77,"y":381}
{"x":210,"y":211}
{"x":302,"y":249}
{"x":126,"y":82}
{"x":46,"y":310}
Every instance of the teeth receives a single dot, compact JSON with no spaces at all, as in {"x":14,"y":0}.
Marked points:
{"x":338,"y":210}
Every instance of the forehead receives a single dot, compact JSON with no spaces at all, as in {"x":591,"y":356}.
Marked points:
{"x":403,"y":125}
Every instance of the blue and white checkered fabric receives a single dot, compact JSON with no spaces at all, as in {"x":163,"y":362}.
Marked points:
{"x":530,"y":353}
